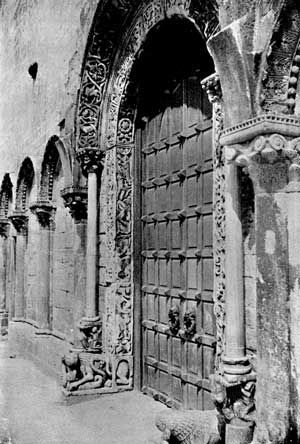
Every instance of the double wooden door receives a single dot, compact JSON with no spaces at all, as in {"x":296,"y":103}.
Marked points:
{"x":178,"y":325}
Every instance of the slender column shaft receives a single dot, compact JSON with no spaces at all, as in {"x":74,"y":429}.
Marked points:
{"x":91,"y":251}
{"x":11,"y":276}
{"x":20,"y":258}
{"x":3,"y":260}
{"x":235,"y":328}
{"x":43,"y":299}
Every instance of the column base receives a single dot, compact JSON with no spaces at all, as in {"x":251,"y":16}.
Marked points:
{"x":239,"y":434}
{"x":3,"y":322}
{"x":91,"y":372}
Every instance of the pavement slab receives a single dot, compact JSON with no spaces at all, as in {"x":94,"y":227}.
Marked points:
{"x":33,"y":411}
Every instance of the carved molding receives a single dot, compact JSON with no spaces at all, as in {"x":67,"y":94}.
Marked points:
{"x":280,"y":80}
{"x":45,"y":213}
{"x":261,"y":125}
{"x":75,"y":199}
{"x":213,"y":88}
{"x":19,"y":219}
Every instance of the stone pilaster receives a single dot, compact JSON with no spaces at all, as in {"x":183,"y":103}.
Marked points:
{"x":45,"y":212}
{"x":19,"y":220}
{"x":268,"y":147}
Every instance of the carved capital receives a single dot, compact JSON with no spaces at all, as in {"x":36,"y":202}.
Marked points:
{"x":45,"y":212}
{"x":212,"y":86}
{"x":273,"y":161}
{"x":75,"y":199}
{"x":91,"y":159}
{"x":91,"y":333}
{"x":19,"y":219}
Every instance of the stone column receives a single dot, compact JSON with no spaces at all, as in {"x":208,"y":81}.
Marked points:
{"x":4,"y":228}
{"x":273,"y":163}
{"x":90,"y":326}
{"x":235,"y":360}
{"x":45,"y":212}
{"x":20,"y":221}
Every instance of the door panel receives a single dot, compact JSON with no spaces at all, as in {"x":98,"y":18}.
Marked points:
{"x":176,"y":226}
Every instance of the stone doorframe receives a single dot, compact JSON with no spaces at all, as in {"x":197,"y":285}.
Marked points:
{"x":104,"y":147}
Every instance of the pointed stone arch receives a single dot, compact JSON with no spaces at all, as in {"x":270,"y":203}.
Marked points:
{"x":6,"y":195}
{"x":24,"y":184}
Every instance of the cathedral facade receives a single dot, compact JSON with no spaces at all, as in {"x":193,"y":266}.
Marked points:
{"x":149,"y":230}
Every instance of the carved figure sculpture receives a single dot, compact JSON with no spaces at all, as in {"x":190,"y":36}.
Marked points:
{"x":91,"y":333}
{"x":174,"y":322}
{"x":82,"y":371}
{"x":188,"y":427}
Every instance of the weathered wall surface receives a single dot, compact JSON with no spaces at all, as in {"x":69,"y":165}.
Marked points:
{"x":53,"y":34}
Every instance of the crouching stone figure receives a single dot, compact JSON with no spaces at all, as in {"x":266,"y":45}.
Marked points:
{"x":188,"y":427}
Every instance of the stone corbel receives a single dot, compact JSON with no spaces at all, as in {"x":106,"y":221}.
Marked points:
{"x":19,"y":219}
{"x":45,"y":212}
{"x":212,"y":86}
{"x":75,"y":199}
{"x":4,"y":224}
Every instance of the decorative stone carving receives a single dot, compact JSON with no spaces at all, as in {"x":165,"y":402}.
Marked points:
{"x":124,"y":376}
{"x":117,"y":138}
{"x":235,"y":404}
{"x":213,"y":88}
{"x":279,"y":83}
{"x":19,"y":220}
{"x":272,"y":160}
{"x":45,"y":212}
{"x":188,"y":427}
{"x":4,"y":224}
{"x":91,"y":333}
{"x":124,"y":320}
{"x":174,"y":321}
{"x":75,"y":199}
{"x":91,"y":159}
{"x":85,"y":371}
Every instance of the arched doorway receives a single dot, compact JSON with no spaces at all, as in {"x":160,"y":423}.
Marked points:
{"x":173,"y":270}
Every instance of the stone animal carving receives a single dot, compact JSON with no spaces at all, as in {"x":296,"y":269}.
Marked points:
{"x":85,"y":371}
{"x":188,"y":427}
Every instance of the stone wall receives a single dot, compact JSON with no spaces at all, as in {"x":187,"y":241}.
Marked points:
{"x":34,"y":107}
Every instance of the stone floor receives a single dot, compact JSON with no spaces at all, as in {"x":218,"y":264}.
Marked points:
{"x":34,"y":412}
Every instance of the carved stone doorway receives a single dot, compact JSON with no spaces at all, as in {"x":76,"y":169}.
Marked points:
{"x":174,"y":181}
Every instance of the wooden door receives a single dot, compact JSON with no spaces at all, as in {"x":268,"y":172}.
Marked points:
{"x":178,"y":325}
